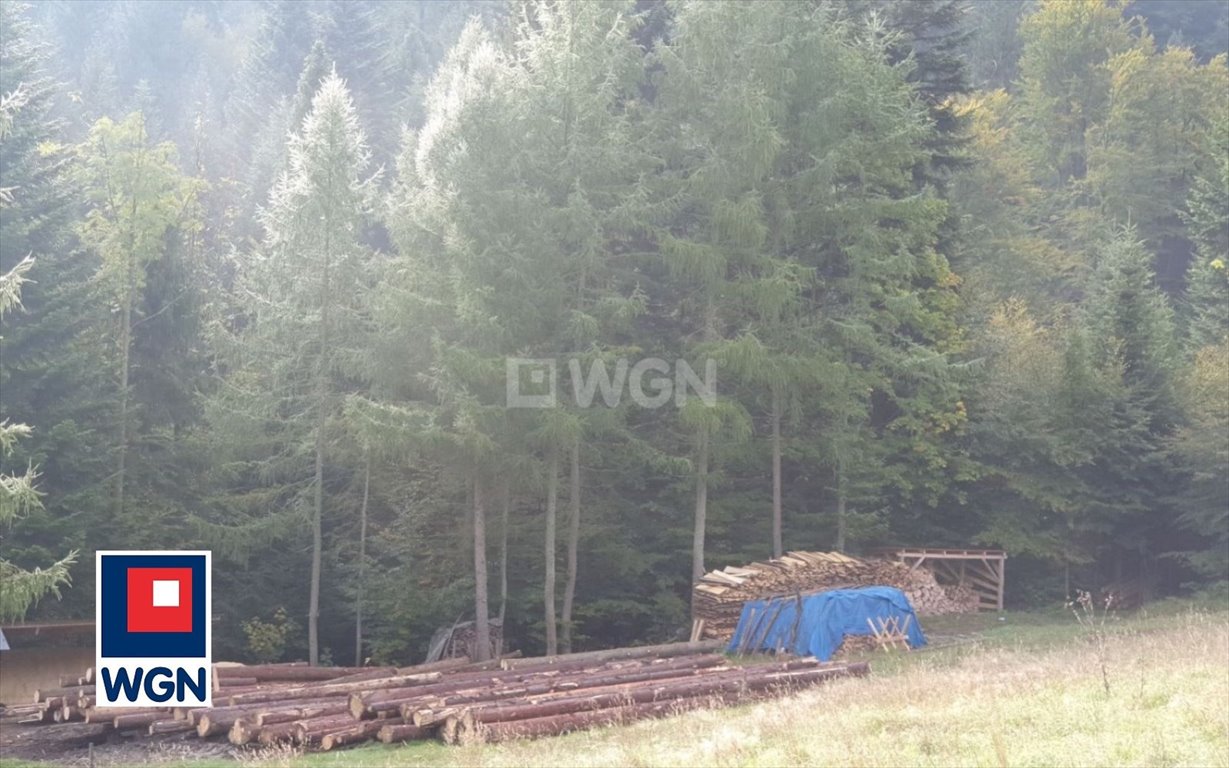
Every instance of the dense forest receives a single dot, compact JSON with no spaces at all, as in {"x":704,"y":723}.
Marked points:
{"x":961,"y":268}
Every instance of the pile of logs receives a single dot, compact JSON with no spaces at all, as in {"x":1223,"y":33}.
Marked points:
{"x":855,"y":645}
{"x":718,"y":597}
{"x":458,"y":701}
{"x":929,"y":597}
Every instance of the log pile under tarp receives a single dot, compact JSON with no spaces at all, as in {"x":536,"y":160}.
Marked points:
{"x":457,"y":701}
{"x":717,"y":599}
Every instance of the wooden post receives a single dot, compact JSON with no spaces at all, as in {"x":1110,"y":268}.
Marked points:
{"x":920,"y":560}
{"x":1002,"y":577}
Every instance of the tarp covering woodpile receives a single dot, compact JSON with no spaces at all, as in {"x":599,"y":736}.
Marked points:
{"x":816,"y":625}
{"x":718,"y":597}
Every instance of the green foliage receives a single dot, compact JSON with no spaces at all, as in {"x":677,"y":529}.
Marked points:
{"x":136,"y":196}
{"x":1203,"y":446}
{"x":10,"y":288}
{"x":1066,"y":78}
{"x":266,"y":640}
{"x":19,"y":496}
{"x":1207,"y":215}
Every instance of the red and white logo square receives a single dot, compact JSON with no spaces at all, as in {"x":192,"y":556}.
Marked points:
{"x":159,"y":599}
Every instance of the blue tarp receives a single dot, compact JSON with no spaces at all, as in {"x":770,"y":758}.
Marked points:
{"x":826,"y":618}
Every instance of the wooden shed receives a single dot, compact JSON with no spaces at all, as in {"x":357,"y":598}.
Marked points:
{"x":39,"y":653}
{"x":982,"y":570}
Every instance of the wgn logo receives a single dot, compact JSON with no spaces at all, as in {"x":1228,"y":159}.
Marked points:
{"x":153,"y":639}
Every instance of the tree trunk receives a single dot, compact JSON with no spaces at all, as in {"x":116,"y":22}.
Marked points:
{"x":697,"y":541}
{"x":362,"y":562}
{"x":569,"y":589}
{"x":506,"y":503}
{"x":125,"y":362}
{"x":322,"y":372}
{"x":126,"y":339}
{"x":482,"y":628}
{"x":840,"y":520}
{"x":777,"y":546}
{"x":838,"y":476}
{"x":548,"y":598}
{"x":1067,"y":560}
{"x":313,"y":610}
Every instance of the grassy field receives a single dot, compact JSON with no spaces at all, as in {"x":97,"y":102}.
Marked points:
{"x":1027,"y":690}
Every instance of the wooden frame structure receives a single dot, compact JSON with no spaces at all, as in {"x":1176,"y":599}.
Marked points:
{"x":890,"y":631}
{"x":982,"y":570}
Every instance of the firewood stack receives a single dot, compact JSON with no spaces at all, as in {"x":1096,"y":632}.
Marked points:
{"x":330,"y":707}
{"x":718,"y":598}
{"x":855,"y":645}
{"x":463,"y":640}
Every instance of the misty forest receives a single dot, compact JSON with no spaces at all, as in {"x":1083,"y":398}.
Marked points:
{"x":962,"y":268}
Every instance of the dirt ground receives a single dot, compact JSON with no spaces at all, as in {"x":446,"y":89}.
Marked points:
{"x":40,"y":743}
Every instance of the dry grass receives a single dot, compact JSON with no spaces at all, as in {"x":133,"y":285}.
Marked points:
{"x":280,"y":756}
{"x":1168,"y":706}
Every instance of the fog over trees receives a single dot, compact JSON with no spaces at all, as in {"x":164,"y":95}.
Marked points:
{"x":961,"y":269}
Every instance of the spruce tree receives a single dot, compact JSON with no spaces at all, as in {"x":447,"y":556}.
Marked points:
{"x":530,"y":234}
{"x":269,"y":71}
{"x":294,"y":355}
{"x":772,"y":216}
{"x":1206,"y":314}
{"x":53,"y":374}
{"x":19,"y":494}
{"x":579,"y":161}
{"x":929,"y":38}
{"x":1131,"y":328}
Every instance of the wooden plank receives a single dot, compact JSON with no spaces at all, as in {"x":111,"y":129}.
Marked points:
{"x":734,"y":570}
{"x":946,"y":569}
{"x":985,"y":593}
{"x":1002,"y":580}
{"x":985,"y":568}
{"x":941,"y":553}
{"x":980,"y":583}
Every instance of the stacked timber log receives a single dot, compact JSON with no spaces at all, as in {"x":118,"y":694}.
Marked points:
{"x":718,"y":597}
{"x":456,"y":700}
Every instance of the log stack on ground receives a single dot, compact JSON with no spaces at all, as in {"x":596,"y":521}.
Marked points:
{"x":330,"y":708}
{"x":718,"y":597}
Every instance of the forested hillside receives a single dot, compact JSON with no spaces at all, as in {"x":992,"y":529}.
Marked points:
{"x":961,"y":268}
